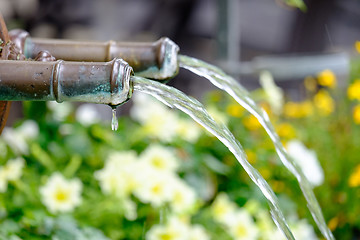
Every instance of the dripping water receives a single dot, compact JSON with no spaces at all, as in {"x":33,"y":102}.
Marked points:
{"x":176,"y":99}
{"x":225,"y":82}
{"x":114,"y":120}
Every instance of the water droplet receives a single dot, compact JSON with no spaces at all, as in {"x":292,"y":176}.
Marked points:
{"x":114,"y":120}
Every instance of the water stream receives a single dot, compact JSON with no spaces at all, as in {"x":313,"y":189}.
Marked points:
{"x":176,"y":99}
{"x":114,"y":120}
{"x":242,"y":96}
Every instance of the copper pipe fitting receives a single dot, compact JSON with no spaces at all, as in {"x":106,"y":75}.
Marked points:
{"x":4,"y":105}
{"x":95,"y":82}
{"x":155,"y":60}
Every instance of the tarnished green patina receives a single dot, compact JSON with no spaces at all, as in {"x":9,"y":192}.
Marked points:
{"x":94,"y":82}
{"x":155,"y":60}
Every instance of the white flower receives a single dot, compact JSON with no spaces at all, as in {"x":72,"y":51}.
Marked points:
{"x":175,"y":229}
{"x":274,"y":94}
{"x":188,"y":130}
{"x":265,"y":223}
{"x":13,"y":169}
{"x":222,"y":208}
{"x":60,"y":110}
{"x":197,"y":232}
{"x":3,"y":180}
{"x":183,"y":197}
{"x":29,"y":129}
{"x":16,"y":138}
{"x":307,"y":161}
{"x":120,"y":160}
{"x":130,"y":209}
{"x":155,"y":187}
{"x":119,"y":175}
{"x":160,"y":158}
{"x":156,"y":119}
{"x":304,"y":231}
{"x":242,"y":226}
{"x":273,"y":233}
{"x":60,"y":194}
{"x":15,"y":141}
{"x":86,"y":114}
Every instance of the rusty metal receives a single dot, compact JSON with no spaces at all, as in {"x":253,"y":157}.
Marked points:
{"x":94,"y":82}
{"x":156,"y":60}
{"x":4,"y":105}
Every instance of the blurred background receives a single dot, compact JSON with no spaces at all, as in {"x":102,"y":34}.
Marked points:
{"x":318,"y":41}
{"x":241,"y":36}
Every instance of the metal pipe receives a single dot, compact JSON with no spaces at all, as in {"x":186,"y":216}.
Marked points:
{"x":4,"y":105}
{"x":156,"y":60}
{"x":95,"y":82}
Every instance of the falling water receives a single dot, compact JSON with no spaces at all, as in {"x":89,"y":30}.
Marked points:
{"x":114,"y":120}
{"x":241,"y":95}
{"x":176,"y":99}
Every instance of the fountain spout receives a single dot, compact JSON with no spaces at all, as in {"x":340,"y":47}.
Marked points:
{"x":155,"y":60}
{"x":95,"y":82}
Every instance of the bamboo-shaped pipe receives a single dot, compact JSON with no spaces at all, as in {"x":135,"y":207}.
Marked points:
{"x":94,"y":82}
{"x":156,"y":60}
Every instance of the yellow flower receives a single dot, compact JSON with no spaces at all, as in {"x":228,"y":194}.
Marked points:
{"x":354,"y":180}
{"x":306,"y":108}
{"x":235,"y":110}
{"x":251,"y":123}
{"x":333,"y":223}
{"x":357,"y":46}
{"x":298,"y":110}
{"x":251,"y":156}
{"x":265,"y":172}
{"x":278,"y":186}
{"x":353,"y":91}
{"x":356,"y":114}
{"x":291,"y":110}
{"x":310,"y":83}
{"x":327,"y":78}
{"x":324,"y":102}
{"x":285,"y":130}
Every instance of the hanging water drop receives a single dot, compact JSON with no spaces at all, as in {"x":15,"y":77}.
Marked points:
{"x":114,"y":120}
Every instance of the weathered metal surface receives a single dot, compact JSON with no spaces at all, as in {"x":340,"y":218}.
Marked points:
{"x":4,"y":105}
{"x":95,"y":82}
{"x":156,"y":60}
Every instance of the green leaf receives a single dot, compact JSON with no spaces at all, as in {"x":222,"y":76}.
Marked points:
{"x":72,"y":166}
{"x":42,"y":157}
{"x":297,"y":3}
{"x":216,"y":166}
